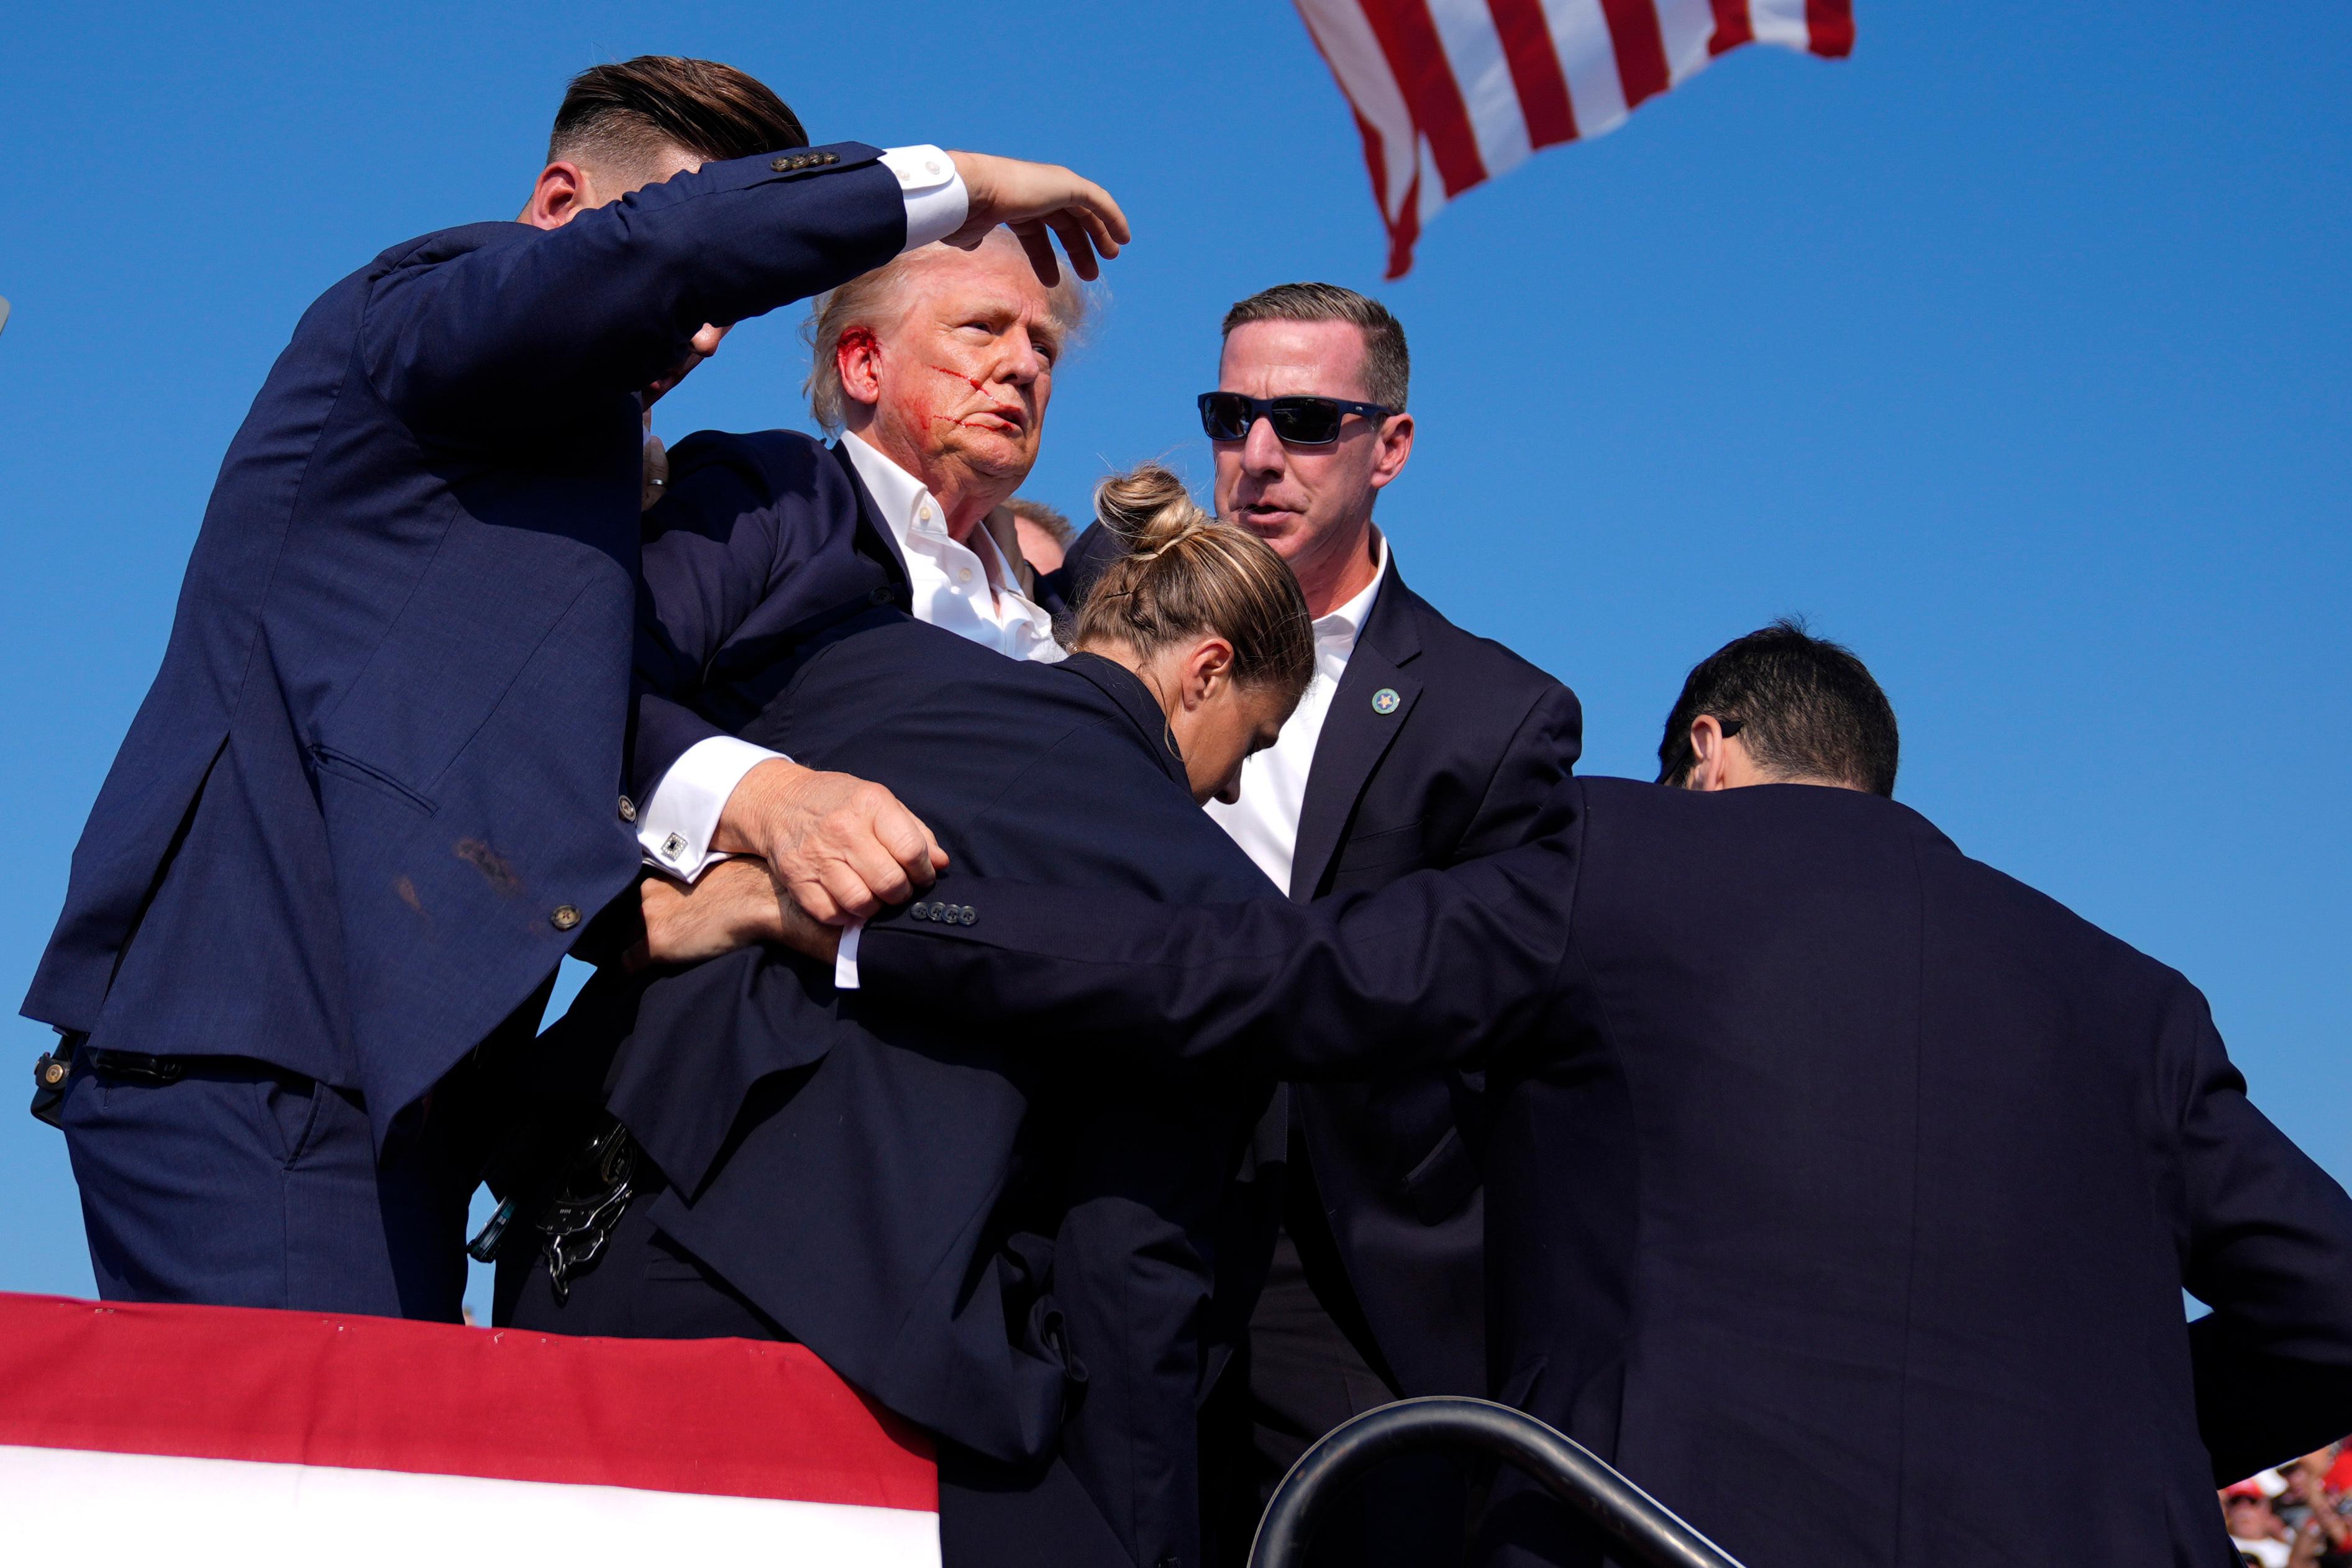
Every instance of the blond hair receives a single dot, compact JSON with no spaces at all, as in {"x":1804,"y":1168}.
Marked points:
{"x":876,"y":301}
{"x":1186,"y":575}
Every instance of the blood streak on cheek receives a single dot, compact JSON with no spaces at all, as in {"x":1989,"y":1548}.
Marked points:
{"x":971,"y":381}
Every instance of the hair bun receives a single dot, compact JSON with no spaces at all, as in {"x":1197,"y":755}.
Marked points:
{"x":1150,"y":508}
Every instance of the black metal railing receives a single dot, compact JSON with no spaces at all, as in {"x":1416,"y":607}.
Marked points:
{"x":1569,"y":1471}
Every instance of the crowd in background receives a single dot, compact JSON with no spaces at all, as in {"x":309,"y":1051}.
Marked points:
{"x":2297,"y":1516}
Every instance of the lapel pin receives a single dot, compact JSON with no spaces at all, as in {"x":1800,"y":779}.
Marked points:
{"x":1386,"y":700}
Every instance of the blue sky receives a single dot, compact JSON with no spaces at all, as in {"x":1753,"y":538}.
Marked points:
{"x":2013,"y":351}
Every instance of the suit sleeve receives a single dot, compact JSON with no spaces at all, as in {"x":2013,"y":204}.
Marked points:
{"x":704,"y":573}
{"x":1527,"y":783}
{"x":2268,"y":1245}
{"x":508,"y":338}
{"x":1431,"y":965}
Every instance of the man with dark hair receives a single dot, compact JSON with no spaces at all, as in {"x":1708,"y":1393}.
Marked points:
{"x":378,"y":787}
{"x":626,"y":116}
{"x":1780,"y":704}
{"x":1841,"y":1190}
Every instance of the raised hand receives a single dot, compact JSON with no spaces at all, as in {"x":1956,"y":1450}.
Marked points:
{"x":1037,"y":201}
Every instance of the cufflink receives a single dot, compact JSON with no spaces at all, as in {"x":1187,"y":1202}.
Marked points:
{"x":672,"y":849}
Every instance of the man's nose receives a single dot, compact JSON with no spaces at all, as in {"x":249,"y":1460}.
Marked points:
{"x":1262,"y":449}
{"x":1021,"y":363}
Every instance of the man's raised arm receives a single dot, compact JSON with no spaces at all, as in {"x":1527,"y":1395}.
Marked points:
{"x":1427,"y":967}
{"x":509,"y":335}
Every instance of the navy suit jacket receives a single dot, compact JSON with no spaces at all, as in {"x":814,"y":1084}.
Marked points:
{"x":1463,"y":766}
{"x":984,"y":1238}
{"x":764,"y":543}
{"x":378,"y":781}
{"x":1847,"y":1208}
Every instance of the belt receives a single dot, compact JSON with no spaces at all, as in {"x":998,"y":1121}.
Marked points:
{"x":54,"y":1067}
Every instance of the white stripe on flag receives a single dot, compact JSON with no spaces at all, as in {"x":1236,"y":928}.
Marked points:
{"x":1780,"y":22}
{"x":1346,"y":42}
{"x":1433,"y":184}
{"x":1687,"y":27}
{"x":1587,"y":58}
{"x":1474,"y":51}
{"x":134,"y":1510}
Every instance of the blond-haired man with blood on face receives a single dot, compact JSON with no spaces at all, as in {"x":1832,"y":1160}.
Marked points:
{"x":934,"y":372}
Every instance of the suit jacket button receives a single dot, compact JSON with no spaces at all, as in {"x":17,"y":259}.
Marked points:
{"x":781,"y":164}
{"x":919,"y":912}
{"x":564,"y":918}
{"x":628,"y":809}
{"x":828,"y":157}
{"x":968,"y":915}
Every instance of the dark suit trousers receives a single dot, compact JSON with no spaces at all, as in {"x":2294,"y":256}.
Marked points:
{"x":243,"y":1185}
{"x":1311,"y":1364}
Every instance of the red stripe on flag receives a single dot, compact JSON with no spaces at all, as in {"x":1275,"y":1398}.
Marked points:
{"x":1733,"y":27}
{"x":1405,"y":227}
{"x":721,"y":1417}
{"x":1641,"y":49}
{"x":1829,"y":24}
{"x":1535,"y":71}
{"x":1417,"y":59}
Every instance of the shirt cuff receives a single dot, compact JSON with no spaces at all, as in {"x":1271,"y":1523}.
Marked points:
{"x":676,"y":826}
{"x":936,"y":203}
{"x":844,"y":961}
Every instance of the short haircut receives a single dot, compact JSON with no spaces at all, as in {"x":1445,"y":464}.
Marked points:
{"x":875,"y":300}
{"x":1055,"y":526}
{"x":625,"y":115}
{"x":1388,"y":368}
{"x":1805,"y":706}
{"x":1186,"y":574}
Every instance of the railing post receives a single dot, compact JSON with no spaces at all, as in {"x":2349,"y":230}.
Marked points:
{"x":1566,"y":1469}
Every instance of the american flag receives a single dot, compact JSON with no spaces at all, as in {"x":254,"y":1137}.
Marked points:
{"x":137,"y":1435}
{"x":1450,"y":92}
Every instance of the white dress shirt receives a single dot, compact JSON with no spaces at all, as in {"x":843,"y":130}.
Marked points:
{"x":1264,"y":821}
{"x":966,"y":588}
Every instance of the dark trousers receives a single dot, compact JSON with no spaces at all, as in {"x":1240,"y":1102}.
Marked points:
{"x":240,"y":1186}
{"x":1311,"y":1364}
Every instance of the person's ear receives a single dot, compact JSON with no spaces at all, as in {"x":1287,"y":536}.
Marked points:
{"x":564,"y":191}
{"x":858,"y":358}
{"x":1390,"y":448}
{"x":1208,"y":671}
{"x":1707,"y":740}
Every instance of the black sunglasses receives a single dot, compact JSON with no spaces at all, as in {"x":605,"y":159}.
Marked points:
{"x":1301,"y":421}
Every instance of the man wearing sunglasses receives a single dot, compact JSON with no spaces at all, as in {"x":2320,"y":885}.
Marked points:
{"x":1416,"y":745}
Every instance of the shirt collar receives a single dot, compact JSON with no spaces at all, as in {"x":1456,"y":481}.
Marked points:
{"x":1338,"y":630}
{"x":896,"y":493}
{"x":902,"y":498}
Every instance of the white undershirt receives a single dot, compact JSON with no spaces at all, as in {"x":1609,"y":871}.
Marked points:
{"x":1264,"y":821}
{"x":675,"y":824}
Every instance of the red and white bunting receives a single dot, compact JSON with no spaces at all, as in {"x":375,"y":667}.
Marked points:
{"x":1450,"y":92}
{"x":139,"y":1434}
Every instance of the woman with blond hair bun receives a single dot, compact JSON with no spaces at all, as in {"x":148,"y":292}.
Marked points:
{"x":1002,"y":1238}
